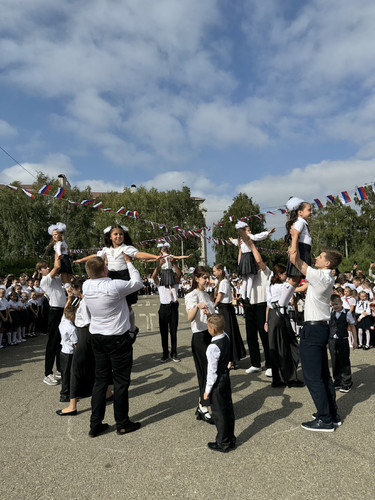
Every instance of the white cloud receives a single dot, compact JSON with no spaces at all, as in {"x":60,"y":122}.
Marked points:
{"x":52,"y":165}
{"x":99,"y":185}
{"x":7,"y":130}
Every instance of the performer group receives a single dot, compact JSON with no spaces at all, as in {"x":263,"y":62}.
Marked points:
{"x":297,"y":310}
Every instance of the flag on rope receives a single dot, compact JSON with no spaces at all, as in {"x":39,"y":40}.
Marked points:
{"x":85,"y":203}
{"x":362,"y":193}
{"x":331,"y":198}
{"x":60,"y":193}
{"x":129,"y":213}
{"x":259,"y":216}
{"x":13,"y":188}
{"x":28,"y":193}
{"x":231,"y":218}
{"x":73,"y":202}
{"x":107,"y":209}
{"x":153,"y":224}
{"x":97,"y":205}
{"x":282,"y":210}
{"x":135,"y":214}
{"x":346,"y":197}
{"x":318,"y":203}
{"x":120,"y":210}
{"x":270,"y":212}
{"x":45,"y":189}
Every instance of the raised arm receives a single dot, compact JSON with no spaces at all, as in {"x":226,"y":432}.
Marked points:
{"x":155,"y":276}
{"x":294,"y":256}
{"x":56,"y":266}
{"x":257,"y":256}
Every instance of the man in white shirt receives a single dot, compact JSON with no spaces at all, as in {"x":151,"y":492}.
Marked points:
{"x":315,"y":336}
{"x":111,"y":342}
{"x":51,"y":284}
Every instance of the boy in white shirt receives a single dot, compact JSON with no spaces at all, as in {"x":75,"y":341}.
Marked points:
{"x":69,"y":340}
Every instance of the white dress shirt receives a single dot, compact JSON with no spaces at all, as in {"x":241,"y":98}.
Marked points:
{"x":302,"y":227}
{"x":68,"y":334}
{"x":213,"y":356}
{"x":226,"y":290}
{"x":83,"y":317}
{"x":319,"y":291}
{"x":254,"y":237}
{"x":115,"y":257}
{"x":105,"y":301}
{"x":54,"y":290}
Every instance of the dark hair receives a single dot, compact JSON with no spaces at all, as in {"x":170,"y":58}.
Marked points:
{"x":107,"y":238}
{"x":334,"y":297}
{"x":220,"y":267}
{"x":199,"y":271}
{"x":293,"y":216}
{"x":334,"y":257}
{"x":277,"y":271}
{"x":77,"y":283}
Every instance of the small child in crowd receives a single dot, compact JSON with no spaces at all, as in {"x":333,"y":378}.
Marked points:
{"x":339,"y":344}
{"x":69,"y":340}
{"x":218,"y":392}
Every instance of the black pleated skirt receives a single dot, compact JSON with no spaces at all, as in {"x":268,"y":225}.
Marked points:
{"x":305,"y":255}
{"x":167,"y":278}
{"x":247,"y":264}
{"x":232,"y":329}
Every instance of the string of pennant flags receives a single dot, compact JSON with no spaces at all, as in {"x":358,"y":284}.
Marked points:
{"x":179,"y":233}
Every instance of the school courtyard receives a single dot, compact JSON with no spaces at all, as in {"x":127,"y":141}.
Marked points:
{"x":44,"y":456}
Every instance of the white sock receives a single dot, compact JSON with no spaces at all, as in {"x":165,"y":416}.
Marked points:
{"x":9,"y":337}
{"x":14,"y":337}
{"x":19,"y":334}
{"x":360,"y":336}
{"x":244,"y":287}
{"x":249,"y":285}
{"x":132,"y":320}
{"x":286,"y":295}
{"x":367,"y":338}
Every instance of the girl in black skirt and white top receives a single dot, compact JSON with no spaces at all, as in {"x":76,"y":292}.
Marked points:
{"x":247,"y":267}
{"x":117,"y":243}
{"x":57,"y":231}
{"x":363,"y":314}
{"x":198,"y":307}
{"x":223,"y":301}
{"x":299,"y":213}
{"x":167,"y":275}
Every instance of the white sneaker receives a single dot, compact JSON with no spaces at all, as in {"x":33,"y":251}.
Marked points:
{"x":57,"y":376}
{"x":50,"y":380}
{"x":269,"y":372}
{"x":253,"y":369}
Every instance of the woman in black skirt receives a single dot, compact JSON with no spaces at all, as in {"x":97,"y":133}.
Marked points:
{"x":223,"y":301}
{"x":282,"y":339}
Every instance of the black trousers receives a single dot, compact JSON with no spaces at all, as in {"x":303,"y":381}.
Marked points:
{"x":255,"y":317}
{"x":340,"y":357}
{"x":53,"y":347}
{"x":66,"y":365}
{"x":199,"y":343}
{"x":168,"y":320}
{"x":314,"y":361}
{"x":222,"y":411}
{"x":113,"y":357}
{"x":82,"y":375}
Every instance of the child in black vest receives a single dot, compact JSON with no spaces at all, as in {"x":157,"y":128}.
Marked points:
{"x":339,"y":344}
{"x":218,"y":389}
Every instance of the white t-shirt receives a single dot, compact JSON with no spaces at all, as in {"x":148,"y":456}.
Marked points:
{"x":199,"y":323}
{"x":115,"y":257}
{"x":226,"y":290}
{"x":83,"y":317}
{"x":319,"y":291}
{"x":53,"y":288}
{"x":303,"y":228}
{"x":258,"y":291}
{"x":68,"y":334}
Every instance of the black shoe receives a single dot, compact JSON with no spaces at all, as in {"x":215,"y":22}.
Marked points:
{"x":176,"y":359}
{"x":216,"y":447}
{"x":296,"y":383}
{"x":346,"y":389}
{"x":318,"y":426}
{"x":204,"y":415}
{"x":99,"y":429}
{"x":66,"y":414}
{"x":164,"y":359}
{"x":129,"y":427}
{"x":64,"y":399}
{"x":336,"y":419}
{"x":278,"y":384}
{"x":338,"y":387}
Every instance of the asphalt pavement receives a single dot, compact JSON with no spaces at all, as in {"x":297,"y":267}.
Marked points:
{"x":44,"y":456}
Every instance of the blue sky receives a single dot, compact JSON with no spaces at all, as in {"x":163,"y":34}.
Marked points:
{"x":272,"y":98}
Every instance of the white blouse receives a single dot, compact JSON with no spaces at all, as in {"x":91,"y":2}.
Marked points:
{"x":115,"y":258}
{"x":226,"y":290}
{"x":199,"y":323}
{"x":302,"y":227}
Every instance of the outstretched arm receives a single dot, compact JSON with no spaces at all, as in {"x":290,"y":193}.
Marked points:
{"x":179,"y":257}
{"x":84,"y":259}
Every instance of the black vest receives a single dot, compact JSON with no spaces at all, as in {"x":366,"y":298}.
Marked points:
{"x":339,"y":326}
{"x":224,"y":345}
